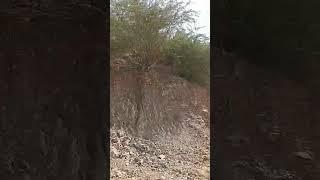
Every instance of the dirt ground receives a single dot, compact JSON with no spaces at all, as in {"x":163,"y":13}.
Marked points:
{"x":182,"y":156}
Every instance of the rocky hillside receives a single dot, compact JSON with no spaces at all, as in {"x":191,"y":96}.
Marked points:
{"x":173,"y":142}
{"x":164,"y":98}
{"x":182,"y":156}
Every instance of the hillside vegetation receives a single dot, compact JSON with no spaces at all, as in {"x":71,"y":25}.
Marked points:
{"x":159,"y":32}
{"x":159,"y":96}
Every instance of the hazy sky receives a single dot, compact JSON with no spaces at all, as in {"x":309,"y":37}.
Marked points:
{"x":203,"y":7}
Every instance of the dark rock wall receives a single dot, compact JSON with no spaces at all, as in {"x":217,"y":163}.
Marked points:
{"x":52,"y":93}
{"x":262,"y":115}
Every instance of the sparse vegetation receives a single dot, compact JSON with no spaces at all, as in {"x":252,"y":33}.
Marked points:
{"x":152,"y":43}
{"x":189,"y":53}
{"x":146,"y":33}
{"x":152,"y":32}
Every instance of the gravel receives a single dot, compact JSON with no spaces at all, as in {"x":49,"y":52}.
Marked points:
{"x":182,"y":156}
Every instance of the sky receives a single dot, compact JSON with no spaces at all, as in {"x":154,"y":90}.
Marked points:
{"x":203,"y":8}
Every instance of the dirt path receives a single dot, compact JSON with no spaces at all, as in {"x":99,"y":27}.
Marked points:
{"x":181,"y":156}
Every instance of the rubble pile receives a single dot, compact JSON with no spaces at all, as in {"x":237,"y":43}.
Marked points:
{"x":182,"y":156}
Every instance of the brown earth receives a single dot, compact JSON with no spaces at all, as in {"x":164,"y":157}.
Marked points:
{"x":173,"y":142}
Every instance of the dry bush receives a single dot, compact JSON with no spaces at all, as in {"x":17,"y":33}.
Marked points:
{"x":165,"y":99}
{"x":147,"y":101}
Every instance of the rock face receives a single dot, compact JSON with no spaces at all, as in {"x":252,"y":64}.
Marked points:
{"x":264,"y":117}
{"x":52,"y":72}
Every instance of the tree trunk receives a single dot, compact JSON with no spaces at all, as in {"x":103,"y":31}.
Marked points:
{"x":52,"y":92}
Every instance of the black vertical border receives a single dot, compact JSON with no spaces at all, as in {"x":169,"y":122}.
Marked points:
{"x":107,"y":87}
{"x":213,"y":134}
{"x":104,"y":6}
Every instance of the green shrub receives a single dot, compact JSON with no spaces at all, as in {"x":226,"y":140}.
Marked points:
{"x":189,"y":53}
{"x":140,"y":27}
{"x":153,"y":31}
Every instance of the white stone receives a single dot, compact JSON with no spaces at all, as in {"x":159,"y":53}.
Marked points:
{"x":161,"y":156}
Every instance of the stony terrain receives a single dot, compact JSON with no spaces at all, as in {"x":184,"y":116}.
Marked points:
{"x":184,"y":155}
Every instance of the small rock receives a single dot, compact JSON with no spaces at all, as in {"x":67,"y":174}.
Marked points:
{"x":115,"y":153}
{"x":114,"y":140}
{"x":138,"y":161}
{"x":127,"y":142}
{"x":113,"y":134}
{"x":205,"y":158}
{"x":163,"y":164}
{"x":126,"y":154}
{"x":178,"y":171}
{"x":161,"y":156}
{"x":119,"y":173}
{"x":141,"y":147}
{"x":120,"y":133}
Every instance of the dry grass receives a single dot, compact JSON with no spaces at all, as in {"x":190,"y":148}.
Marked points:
{"x":165,"y":99}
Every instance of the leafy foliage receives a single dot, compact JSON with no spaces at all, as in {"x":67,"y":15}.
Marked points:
{"x":189,"y":53}
{"x":153,"y":31}
{"x":146,"y":33}
{"x":140,"y":27}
